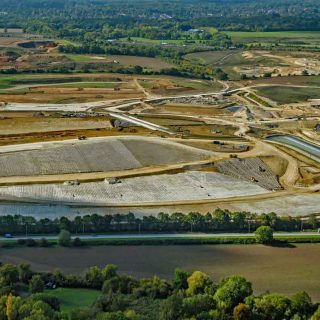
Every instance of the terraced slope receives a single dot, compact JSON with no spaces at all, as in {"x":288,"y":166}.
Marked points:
{"x":250,"y":169}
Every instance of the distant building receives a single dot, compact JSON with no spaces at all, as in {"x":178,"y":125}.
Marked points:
{"x":165,"y":16}
{"x":195,"y":30}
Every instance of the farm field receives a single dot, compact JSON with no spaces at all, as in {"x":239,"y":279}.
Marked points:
{"x":9,"y":81}
{"x":288,"y":80}
{"x":291,"y":270}
{"x":74,"y":298}
{"x":284,"y":36}
{"x":211,"y":57}
{"x":284,"y":95}
{"x":27,"y":123}
{"x":146,"y":62}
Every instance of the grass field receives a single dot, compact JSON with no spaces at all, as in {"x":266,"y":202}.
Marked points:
{"x":308,"y":37}
{"x":210,"y":57}
{"x":282,"y":270}
{"x":301,"y":80}
{"x":79,"y":57}
{"x":146,"y":62}
{"x":74,"y":298}
{"x":289,"y":94}
{"x":7,"y":81}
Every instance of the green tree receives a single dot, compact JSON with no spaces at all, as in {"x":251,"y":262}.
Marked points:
{"x":64,"y":238}
{"x":241,"y":312}
{"x":109,"y":271}
{"x":194,"y":305}
{"x":94,"y":277}
{"x":137,"y":69}
{"x":316,"y":315}
{"x":36,"y":284}
{"x":302,"y":305}
{"x":180,"y":279}
{"x":232,"y":291}
{"x":25,"y":273}
{"x":270,"y":307}
{"x":264,"y":234}
{"x":312,"y":221}
{"x":9,"y":275}
{"x":171,"y":308}
{"x":198,"y":282}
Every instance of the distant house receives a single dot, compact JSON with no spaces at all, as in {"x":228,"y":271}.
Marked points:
{"x":194,"y":30}
{"x":165,"y":16}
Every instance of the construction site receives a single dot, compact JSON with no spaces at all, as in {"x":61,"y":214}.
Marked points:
{"x":128,"y":147}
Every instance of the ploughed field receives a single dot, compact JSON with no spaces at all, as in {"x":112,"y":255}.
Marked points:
{"x":280,"y":270}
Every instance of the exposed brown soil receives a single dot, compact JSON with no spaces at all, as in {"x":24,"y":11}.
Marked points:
{"x":281,"y":270}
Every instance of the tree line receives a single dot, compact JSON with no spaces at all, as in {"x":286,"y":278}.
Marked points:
{"x":188,"y":296}
{"x":157,"y":19}
{"x":217,"y":221}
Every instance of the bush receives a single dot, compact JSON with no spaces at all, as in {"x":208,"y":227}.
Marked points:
{"x":43,"y":242}
{"x":64,"y":238}
{"x":36,"y":284}
{"x":52,"y":301}
{"x":120,"y":284}
{"x":77,"y":242}
{"x":31,"y":243}
{"x":264,"y":234}
{"x":21,"y":242}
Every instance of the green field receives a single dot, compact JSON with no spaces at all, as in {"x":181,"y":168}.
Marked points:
{"x":9,"y":81}
{"x":79,"y":57}
{"x":198,"y":85}
{"x":282,"y":94}
{"x":68,"y":42}
{"x":74,"y":298}
{"x":274,"y":34}
{"x":217,"y":57}
{"x":298,"y":38}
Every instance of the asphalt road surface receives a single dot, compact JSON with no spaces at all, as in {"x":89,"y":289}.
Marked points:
{"x":160,"y":235}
